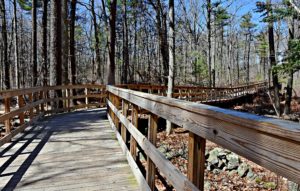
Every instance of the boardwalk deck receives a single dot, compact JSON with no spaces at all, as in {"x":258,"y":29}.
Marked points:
{"x":76,"y":151}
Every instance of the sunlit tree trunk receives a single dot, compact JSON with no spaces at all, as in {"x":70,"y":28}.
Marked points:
{"x":34,"y":43}
{"x":5,"y":45}
{"x":171,"y":56}
{"x":112,"y":42}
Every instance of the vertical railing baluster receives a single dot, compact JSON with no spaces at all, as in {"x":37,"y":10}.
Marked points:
{"x":125,"y":107}
{"x":196,"y":160}
{"x":21,"y":104}
{"x":152,"y":135}
{"x":31,"y":108}
{"x":135,"y":119}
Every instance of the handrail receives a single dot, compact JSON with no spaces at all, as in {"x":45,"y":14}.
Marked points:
{"x":271,"y":143}
{"x":198,"y":93}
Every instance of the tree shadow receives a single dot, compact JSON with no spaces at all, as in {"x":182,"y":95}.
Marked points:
{"x":42,"y":132}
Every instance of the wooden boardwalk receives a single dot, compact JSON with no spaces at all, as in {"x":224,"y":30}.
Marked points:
{"x":75,"y":151}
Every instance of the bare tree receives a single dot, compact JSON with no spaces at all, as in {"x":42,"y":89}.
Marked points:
{"x":5,"y":45}
{"x":34,"y":43}
{"x":171,"y":56}
{"x":112,"y":42}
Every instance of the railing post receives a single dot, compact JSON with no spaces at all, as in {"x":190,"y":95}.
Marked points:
{"x":68,"y":100}
{"x":196,"y":160}
{"x":42,"y":98}
{"x":125,"y":107}
{"x":21,"y":104}
{"x":31,"y":109}
{"x":135,"y":119}
{"x":117,"y":104}
{"x":36,"y":97}
{"x":7,"y":110}
{"x":152,"y":134}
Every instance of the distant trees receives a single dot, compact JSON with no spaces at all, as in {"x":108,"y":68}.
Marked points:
{"x":247,"y":26}
{"x":215,"y":44}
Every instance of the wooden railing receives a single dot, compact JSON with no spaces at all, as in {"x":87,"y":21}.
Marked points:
{"x":23,"y":107}
{"x":271,"y":143}
{"x":198,"y":93}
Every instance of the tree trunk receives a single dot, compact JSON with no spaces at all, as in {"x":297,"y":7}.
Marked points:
{"x":112,"y":41}
{"x":55,"y":46}
{"x":208,"y":6}
{"x":273,"y":63}
{"x":248,"y":60}
{"x":97,"y":42}
{"x":125,"y":45}
{"x":5,"y":45}
{"x":44,"y":43}
{"x":34,"y":43}
{"x":171,"y":56}
{"x":72,"y":42}
{"x":17,"y":85}
{"x":289,"y":87}
{"x":65,"y":44}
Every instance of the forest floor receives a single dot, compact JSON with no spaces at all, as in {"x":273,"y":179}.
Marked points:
{"x":174,"y":147}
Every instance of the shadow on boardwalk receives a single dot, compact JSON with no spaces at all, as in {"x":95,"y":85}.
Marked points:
{"x":66,"y":152}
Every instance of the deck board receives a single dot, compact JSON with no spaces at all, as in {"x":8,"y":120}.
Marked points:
{"x":75,"y":151}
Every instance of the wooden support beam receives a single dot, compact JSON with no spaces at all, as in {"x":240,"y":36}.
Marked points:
{"x":125,"y":108}
{"x":36,"y":98}
{"x":152,"y":135}
{"x":42,"y":96}
{"x":196,"y":160}
{"x":7,"y":110}
{"x":21,"y":104}
{"x":117,"y":103}
{"x":135,"y":119}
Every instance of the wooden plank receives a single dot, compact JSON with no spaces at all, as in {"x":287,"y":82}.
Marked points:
{"x":150,"y":166}
{"x":135,"y":169}
{"x":172,"y":174}
{"x":55,"y":143}
{"x":135,"y":122}
{"x":196,"y":160}
{"x":250,"y":136}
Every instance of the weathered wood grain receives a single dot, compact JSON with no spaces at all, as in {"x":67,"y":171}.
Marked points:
{"x":271,"y":143}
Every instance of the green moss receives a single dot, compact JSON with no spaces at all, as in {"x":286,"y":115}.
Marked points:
{"x":270,"y":185}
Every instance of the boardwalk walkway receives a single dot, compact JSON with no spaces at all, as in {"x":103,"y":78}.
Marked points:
{"x":75,"y":151}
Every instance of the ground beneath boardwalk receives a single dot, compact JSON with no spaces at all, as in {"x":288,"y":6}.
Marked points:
{"x":234,"y":172}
